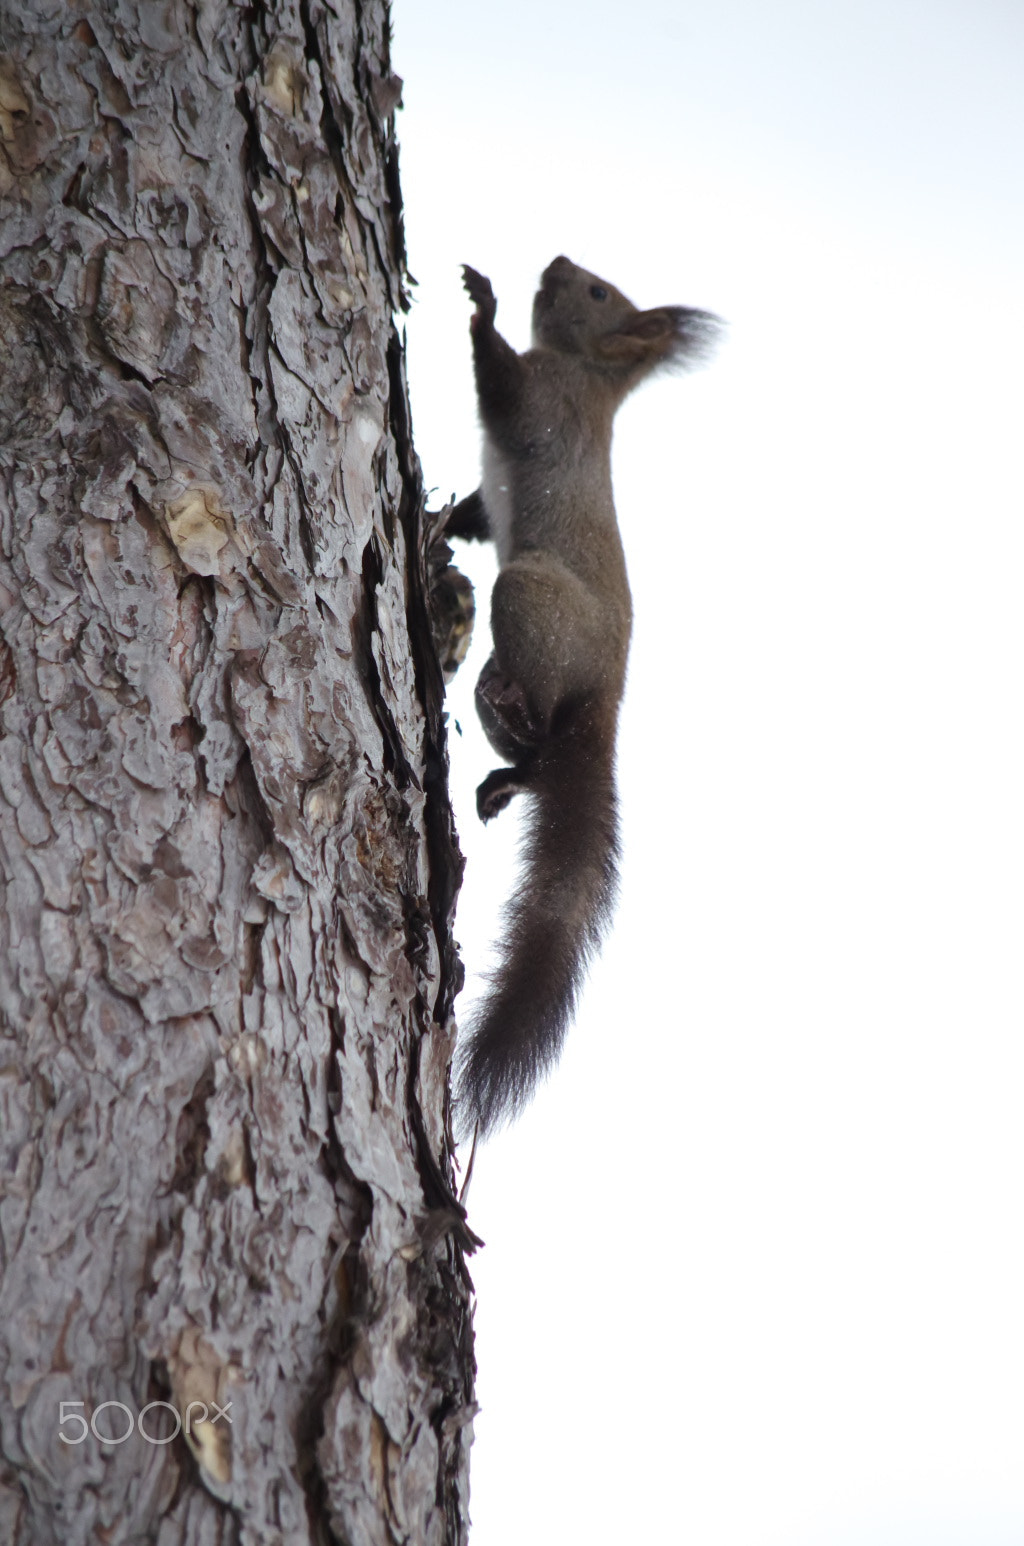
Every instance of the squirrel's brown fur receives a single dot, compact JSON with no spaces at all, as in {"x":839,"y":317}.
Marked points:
{"x":560,"y":620}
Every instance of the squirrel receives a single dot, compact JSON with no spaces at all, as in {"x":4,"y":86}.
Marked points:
{"x":561,"y":616}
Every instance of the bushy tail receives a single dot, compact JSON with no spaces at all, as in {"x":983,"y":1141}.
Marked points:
{"x":554,"y":924}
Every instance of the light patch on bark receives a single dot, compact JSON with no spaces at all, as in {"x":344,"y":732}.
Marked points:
{"x":197,"y":527}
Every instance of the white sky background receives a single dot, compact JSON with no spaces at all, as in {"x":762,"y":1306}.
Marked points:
{"x":754,"y":1272}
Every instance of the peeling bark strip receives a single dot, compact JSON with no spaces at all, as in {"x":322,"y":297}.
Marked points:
{"x":226,"y":970}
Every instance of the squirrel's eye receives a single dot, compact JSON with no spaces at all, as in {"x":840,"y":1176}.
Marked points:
{"x":599,"y":292}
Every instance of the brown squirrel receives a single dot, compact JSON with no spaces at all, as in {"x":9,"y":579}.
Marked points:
{"x":561,"y":617}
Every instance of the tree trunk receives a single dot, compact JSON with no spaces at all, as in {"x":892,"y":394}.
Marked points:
{"x":227,"y":973}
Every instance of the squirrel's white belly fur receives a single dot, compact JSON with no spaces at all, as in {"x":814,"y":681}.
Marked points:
{"x":496,"y":492}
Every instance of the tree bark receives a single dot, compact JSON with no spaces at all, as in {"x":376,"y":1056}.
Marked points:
{"x":226,"y":970}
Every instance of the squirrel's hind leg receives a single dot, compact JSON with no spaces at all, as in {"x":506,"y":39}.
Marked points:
{"x":508,"y":721}
{"x":498,"y":788}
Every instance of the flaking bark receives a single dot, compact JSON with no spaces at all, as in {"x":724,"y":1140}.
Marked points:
{"x":226,"y":968}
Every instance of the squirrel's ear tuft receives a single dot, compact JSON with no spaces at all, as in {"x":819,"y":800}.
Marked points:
{"x":663,"y":336}
{"x":697,"y":334}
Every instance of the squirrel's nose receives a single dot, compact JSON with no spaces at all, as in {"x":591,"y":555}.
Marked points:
{"x":556,"y":267}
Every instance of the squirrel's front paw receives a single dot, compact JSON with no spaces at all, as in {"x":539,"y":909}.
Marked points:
{"x":478,"y":287}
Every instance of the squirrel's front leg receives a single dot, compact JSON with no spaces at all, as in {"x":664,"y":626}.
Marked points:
{"x":498,"y":368}
{"x":469,"y":520}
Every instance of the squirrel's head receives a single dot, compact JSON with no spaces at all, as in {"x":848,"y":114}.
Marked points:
{"x":576,"y":312}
